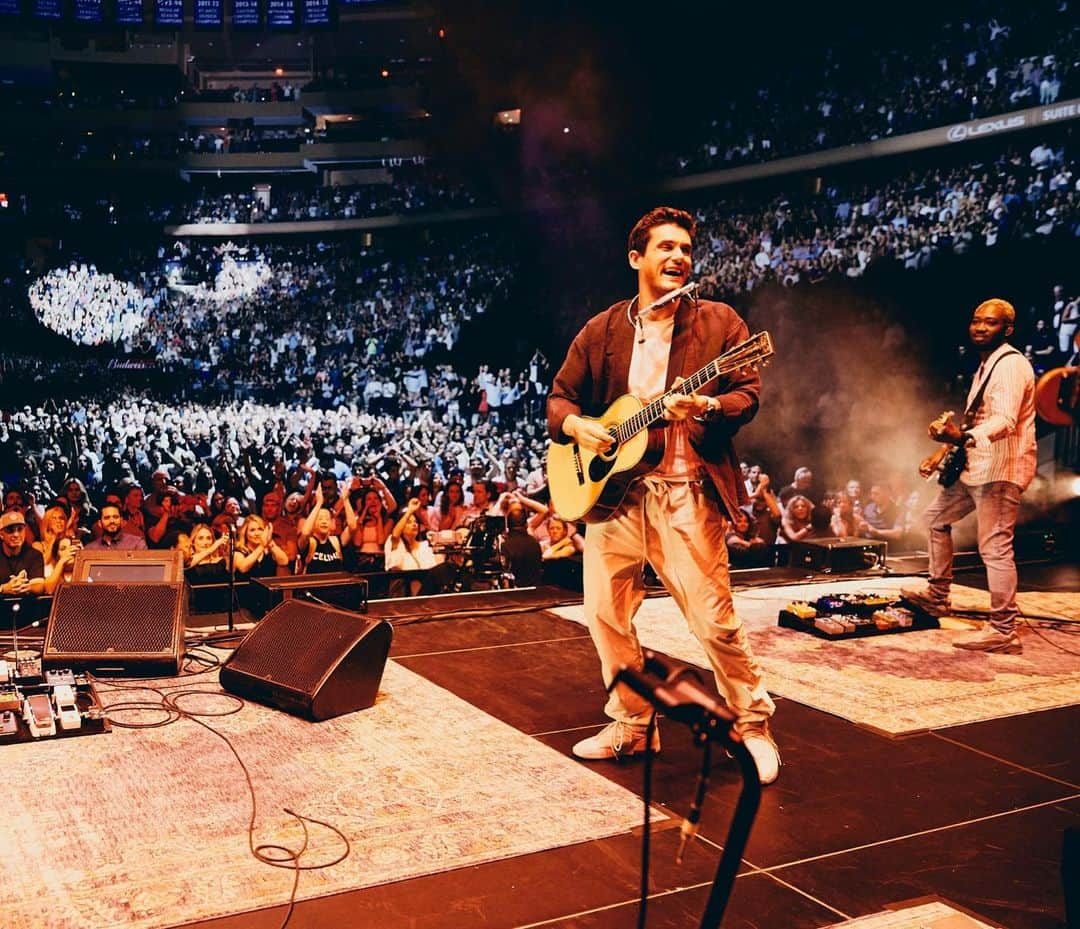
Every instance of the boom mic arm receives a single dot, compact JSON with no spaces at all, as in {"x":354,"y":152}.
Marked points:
{"x":668,"y":297}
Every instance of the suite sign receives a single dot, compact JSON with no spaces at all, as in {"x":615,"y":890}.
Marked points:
{"x":1036,"y":116}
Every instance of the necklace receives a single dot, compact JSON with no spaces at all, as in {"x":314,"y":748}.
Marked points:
{"x":634,"y":319}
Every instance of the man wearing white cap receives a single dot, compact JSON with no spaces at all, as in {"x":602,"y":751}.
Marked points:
{"x":21,"y":565}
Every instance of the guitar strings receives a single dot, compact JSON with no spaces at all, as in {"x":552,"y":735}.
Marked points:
{"x":714,"y":369}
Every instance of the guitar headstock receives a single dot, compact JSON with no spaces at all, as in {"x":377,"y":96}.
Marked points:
{"x":753,"y":353}
{"x":938,"y":424}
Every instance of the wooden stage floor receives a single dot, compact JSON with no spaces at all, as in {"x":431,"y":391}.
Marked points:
{"x":973,"y":814}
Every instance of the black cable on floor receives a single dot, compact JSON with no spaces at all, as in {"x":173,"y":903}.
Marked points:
{"x":169,"y":703}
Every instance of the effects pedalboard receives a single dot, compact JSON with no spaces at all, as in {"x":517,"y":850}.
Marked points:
{"x":37,"y":704}
{"x":853,"y":615}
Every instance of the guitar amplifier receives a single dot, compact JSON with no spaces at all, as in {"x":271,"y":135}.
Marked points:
{"x":838,"y":556}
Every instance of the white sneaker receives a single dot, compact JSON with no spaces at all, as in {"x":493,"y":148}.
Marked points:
{"x":990,"y":640}
{"x":765,"y":754}
{"x":616,"y":740}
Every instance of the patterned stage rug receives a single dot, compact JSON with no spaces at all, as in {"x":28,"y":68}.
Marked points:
{"x":148,"y":828}
{"x":895,"y":684}
{"x":933,"y":915}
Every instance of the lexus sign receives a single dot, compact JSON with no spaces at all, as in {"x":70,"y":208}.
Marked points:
{"x":962,"y":131}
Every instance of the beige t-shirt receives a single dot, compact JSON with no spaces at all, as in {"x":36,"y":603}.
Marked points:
{"x":648,"y":371}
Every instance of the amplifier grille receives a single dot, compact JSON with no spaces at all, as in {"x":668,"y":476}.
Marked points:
{"x":119,"y":618}
{"x":304,"y":641}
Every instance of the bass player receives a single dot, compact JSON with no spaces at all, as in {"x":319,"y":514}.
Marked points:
{"x":675,"y":516}
{"x":1000,"y":462}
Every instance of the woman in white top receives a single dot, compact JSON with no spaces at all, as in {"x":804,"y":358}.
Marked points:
{"x":406,"y":551}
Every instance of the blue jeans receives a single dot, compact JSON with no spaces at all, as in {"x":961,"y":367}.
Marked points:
{"x":996,"y":505}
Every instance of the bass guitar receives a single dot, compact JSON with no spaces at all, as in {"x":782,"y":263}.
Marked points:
{"x":948,"y":461}
{"x":590,"y":486}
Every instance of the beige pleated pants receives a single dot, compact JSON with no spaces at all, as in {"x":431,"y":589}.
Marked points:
{"x":678,"y":527}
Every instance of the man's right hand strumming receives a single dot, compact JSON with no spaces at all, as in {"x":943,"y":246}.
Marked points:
{"x":588,"y":433}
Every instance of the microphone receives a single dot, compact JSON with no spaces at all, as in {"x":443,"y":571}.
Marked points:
{"x":308,"y":595}
{"x":668,"y":297}
{"x":685,"y":681}
{"x":674,"y":688}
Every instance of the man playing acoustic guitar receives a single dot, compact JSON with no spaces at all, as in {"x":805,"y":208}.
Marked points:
{"x":1000,"y":462}
{"x":674,"y":515}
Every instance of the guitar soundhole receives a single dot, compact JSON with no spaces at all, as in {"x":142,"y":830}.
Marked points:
{"x":611,"y":454}
{"x":599,"y":468}
{"x":602,"y":463}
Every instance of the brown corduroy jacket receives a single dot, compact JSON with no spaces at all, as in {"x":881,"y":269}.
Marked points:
{"x":597,"y":366}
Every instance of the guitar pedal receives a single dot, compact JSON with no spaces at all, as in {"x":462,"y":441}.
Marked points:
{"x":54,"y":678}
{"x":9,"y":700}
{"x":38,"y":716}
{"x":67,"y":711}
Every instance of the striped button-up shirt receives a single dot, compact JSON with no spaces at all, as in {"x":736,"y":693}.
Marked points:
{"x":1004,"y":430}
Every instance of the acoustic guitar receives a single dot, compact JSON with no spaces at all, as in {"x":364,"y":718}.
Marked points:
{"x":590,"y":486}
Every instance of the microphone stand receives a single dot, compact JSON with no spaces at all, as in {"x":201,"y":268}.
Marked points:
{"x":231,"y":548}
{"x":675,"y":690}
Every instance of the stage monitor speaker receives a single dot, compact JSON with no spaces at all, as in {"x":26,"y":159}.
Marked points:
{"x":131,"y":629}
{"x":337,"y":588}
{"x":310,"y":660}
{"x":133,"y":565}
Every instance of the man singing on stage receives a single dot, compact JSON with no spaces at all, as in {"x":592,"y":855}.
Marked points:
{"x":1001,"y":459}
{"x":676,"y":515}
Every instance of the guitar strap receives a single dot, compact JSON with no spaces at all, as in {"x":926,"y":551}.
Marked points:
{"x":976,"y":401}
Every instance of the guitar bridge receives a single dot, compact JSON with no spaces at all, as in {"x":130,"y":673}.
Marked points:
{"x":579,"y":470}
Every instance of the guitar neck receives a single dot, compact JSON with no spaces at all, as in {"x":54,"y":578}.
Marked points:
{"x":654,"y":411}
{"x":750,"y":353}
